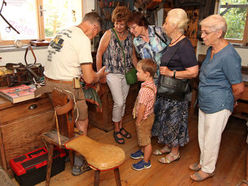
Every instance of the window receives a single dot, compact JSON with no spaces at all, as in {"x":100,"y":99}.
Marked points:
{"x":37,"y":19}
{"x":235,"y":13}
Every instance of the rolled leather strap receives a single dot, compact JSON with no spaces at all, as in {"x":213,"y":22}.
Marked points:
{"x":64,"y":108}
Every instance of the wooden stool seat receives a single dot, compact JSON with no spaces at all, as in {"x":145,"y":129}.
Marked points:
{"x":99,"y":156}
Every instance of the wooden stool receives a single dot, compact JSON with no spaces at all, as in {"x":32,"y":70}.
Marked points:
{"x":64,"y":115}
{"x":100,"y":157}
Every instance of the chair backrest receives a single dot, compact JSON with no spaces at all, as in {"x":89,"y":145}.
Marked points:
{"x":64,"y":107}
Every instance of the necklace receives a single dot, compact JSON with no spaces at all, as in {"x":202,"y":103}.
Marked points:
{"x":176,"y":40}
{"x":121,"y":35}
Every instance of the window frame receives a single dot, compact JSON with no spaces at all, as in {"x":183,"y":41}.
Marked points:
{"x":40,"y":25}
{"x":244,"y":41}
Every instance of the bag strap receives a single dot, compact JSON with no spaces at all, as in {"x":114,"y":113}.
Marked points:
{"x":136,"y":101}
{"x":173,"y":53}
{"x":162,"y":39}
{"x":119,"y":42}
{"x":150,"y":89}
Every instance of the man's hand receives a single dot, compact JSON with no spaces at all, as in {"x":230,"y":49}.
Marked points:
{"x":103,"y":80}
{"x":102,"y":74}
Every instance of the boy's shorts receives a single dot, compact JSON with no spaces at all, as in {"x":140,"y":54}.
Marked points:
{"x":144,"y":131}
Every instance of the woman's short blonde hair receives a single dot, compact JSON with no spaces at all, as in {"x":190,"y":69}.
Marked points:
{"x":120,"y":13}
{"x":215,"y":22}
{"x":178,"y":18}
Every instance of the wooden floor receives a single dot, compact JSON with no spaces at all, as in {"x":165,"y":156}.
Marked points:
{"x":230,"y":168}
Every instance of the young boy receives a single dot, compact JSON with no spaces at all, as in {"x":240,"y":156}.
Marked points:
{"x":143,"y":109}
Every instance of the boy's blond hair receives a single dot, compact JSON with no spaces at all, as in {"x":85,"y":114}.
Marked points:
{"x":148,"y":65}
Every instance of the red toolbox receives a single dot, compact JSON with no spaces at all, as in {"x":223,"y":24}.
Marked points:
{"x":30,"y":169}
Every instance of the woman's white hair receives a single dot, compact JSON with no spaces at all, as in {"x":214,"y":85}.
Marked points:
{"x":215,"y":22}
{"x":178,"y":18}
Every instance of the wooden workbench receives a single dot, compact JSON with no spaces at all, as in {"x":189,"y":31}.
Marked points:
{"x":21,"y":126}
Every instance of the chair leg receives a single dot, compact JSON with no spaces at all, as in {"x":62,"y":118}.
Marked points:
{"x":97,"y":178}
{"x":117,"y":176}
{"x":49,"y":163}
{"x":71,"y":156}
{"x":193,"y":102}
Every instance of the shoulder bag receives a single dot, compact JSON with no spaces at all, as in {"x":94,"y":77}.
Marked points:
{"x":171,"y":87}
{"x":130,"y":75}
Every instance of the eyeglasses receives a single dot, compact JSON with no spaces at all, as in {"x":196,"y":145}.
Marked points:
{"x":97,"y":27}
{"x":117,"y":24}
{"x":132,"y":27}
{"x":206,"y":32}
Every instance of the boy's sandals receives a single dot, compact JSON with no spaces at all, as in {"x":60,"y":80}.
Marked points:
{"x":162,"y":151}
{"x":197,"y":177}
{"x":117,"y":139}
{"x":125,"y":133}
{"x":169,"y":158}
{"x":195,"y":167}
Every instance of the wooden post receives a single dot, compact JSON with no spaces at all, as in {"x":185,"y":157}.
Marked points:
{"x":97,"y":178}
{"x":117,"y":176}
{"x":49,"y":163}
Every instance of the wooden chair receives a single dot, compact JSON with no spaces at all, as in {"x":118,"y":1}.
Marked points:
{"x":99,"y":156}
{"x":64,"y":115}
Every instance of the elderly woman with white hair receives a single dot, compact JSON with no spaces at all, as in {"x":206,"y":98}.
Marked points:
{"x":178,"y":63}
{"x":219,"y":88}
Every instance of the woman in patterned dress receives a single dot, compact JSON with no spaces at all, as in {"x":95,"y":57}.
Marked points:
{"x":171,"y":127}
{"x":110,"y":54}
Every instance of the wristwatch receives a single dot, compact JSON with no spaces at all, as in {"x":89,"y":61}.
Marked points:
{"x":174,"y":74}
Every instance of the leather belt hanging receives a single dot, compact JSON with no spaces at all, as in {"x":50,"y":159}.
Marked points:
{"x":25,"y":56}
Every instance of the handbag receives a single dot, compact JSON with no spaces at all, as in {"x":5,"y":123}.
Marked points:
{"x":130,"y":75}
{"x":171,"y":87}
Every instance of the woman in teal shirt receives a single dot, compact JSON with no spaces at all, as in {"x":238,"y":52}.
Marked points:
{"x":219,"y":88}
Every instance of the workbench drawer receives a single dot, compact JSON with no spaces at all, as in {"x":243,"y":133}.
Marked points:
{"x":24,"y":109}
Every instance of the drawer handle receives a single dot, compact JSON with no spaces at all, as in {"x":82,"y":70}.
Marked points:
{"x":32,"y":107}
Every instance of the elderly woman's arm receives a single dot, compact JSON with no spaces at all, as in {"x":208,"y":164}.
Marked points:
{"x":237,"y":90}
{"x":188,"y":73}
{"x":104,"y":42}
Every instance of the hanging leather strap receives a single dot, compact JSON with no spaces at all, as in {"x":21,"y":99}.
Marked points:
{"x":25,"y":55}
{"x":60,"y":110}
{"x":57,"y":126}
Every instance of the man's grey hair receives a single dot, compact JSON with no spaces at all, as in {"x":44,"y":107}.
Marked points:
{"x":93,"y":18}
{"x":215,"y":23}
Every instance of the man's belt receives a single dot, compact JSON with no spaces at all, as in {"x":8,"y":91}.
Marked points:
{"x":58,"y":81}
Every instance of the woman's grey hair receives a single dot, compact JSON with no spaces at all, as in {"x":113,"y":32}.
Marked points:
{"x":215,"y":22}
{"x":178,"y":17}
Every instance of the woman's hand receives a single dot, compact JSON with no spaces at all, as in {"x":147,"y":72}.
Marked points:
{"x":165,"y":71}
